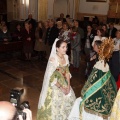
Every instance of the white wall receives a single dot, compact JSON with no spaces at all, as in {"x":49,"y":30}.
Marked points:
{"x":94,"y":7}
{"x":21,"y":11}
{"x":71,"y":8}
{"x":85,"y":7}
{"x":60,"y":9}
{"x":50,"y":8}
{"x":9,"y":10}
{"x":24,"y":9}
{"x":33,"y":8}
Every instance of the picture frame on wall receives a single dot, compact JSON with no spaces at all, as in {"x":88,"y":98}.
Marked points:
{"x":96,"y":0}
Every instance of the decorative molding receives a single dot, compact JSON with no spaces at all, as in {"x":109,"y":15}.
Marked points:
{"x":96,"y":0}
{"x":102,"y":18}
{"x":114,"y":9}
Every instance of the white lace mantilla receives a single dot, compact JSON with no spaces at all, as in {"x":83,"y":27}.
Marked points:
{"x":102,"y":66}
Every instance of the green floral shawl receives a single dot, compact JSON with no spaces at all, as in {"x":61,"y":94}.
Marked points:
{"x":98,"y":93}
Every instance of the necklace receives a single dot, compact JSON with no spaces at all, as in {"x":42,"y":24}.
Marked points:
{"x":62,"y":58}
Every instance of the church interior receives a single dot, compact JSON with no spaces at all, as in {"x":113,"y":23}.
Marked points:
{"x":16,"y":71}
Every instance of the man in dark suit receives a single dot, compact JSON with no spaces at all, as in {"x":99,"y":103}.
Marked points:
{"x":61,"y":18}
{"x":5,"y":34}
{"x":115,"y":59}
{"x":31,"y":21}
{"x":51,"y":35}
{"x":112,"y":30}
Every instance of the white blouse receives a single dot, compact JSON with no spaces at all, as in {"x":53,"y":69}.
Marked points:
{"x":98,"y":38}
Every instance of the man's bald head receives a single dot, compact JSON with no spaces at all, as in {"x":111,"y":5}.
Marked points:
{"x":7,"y":110}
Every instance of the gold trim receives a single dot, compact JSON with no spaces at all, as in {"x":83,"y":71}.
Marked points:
{"x":95,"y":83}
{"x":96,"y":113}
{"x":99,"y":88}
{"x":91,"y":111}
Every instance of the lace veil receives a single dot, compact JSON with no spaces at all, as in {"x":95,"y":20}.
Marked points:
{"x":51,"y":67}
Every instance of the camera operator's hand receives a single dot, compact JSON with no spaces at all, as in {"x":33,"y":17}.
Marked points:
{"x":28,"y":114}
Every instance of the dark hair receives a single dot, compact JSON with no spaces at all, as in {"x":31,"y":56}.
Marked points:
{"x":89,"y":25}
{"x":18,"y":24}
{"x":59,"y":42}
{"x":67,"y":16}
{"x":104,"y":25}
{"x":77,"y":22}
{"x":102,"y":32}
{"x":98,"y":43}
{"x":42,"y":24}
{"x":5,"y":26}
{"x":74,"y":29}
{"x":65,"y":23}
{"x":111,"y":23}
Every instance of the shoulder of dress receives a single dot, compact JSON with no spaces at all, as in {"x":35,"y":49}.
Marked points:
{"x":66,"y":56}
{"x":52,"y":59}
{"x":102,"y":66}
{"x":103,"y":38}
{"x":96,"y":38}
{"x":67,"y":59}
{"x":114,"y":38}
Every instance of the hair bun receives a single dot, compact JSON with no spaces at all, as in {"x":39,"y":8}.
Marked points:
{"x":106,"y":49}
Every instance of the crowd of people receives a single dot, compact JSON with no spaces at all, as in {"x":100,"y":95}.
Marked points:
{"x":61,"y":41}
{"x":57,"y":99}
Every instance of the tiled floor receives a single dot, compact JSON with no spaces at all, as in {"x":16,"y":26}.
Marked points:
{"x":29,"y":75}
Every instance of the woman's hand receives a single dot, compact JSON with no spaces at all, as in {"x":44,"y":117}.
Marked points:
{"x":64,"y":90}
{"x":68,"y":90}
{"x":92,"y":58}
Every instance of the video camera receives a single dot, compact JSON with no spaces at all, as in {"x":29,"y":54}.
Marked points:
{"x":15,"y":95}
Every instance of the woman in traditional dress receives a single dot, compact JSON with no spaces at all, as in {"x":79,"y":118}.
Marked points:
{"x":115,"y":115}
{"x":57,"y":97}
{"x":99,"y":92}
{"x":65,"y":34}
{"x":40,"y":42}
